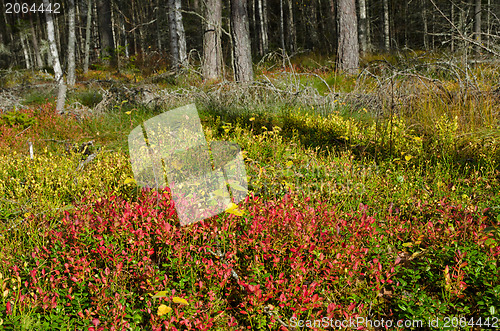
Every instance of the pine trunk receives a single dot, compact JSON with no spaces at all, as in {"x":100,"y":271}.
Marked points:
{"x":243,"y":71}
{"x":212,"y":48}
{"x":106,"y":32}
{"x":348,"y":48}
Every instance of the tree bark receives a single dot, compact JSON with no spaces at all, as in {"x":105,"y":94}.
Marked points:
{"x":312,"y":24}
{"x":477,"y":23}
{"x":243,"y":71}
{"x":36,"y":49}
{"x":87,"y":37}
{"x":177,"y":35}
{"x":282,"y":29}
{"x":387,"y":34}
{"x":263,"y":41}
{"x":212,"y":48}
{"x":348,"y":48}
{"x":363,"y":28}
{"x":106,"y":32}
{"x":426,"y":24}
{"x":61,"y":97}
{"x":71,"y":43}
{"x":292,"y":32}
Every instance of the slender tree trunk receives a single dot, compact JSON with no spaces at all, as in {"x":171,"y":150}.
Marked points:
{"x":292,"y":32}
{"x":348,"y":48}
{"x":36,"y":49}
{"x":387,"y":34}
{"x":55,"y":60}
{"x":406,"y":24}
{"x":452,"y":33}
{"x":488,"y":19}
{"x":263,"y":43}
{"x":282,"y":29}
{"x":158,"y":25}
{"x":426,"y":25}
{"x":71,"y":43}
{"x":243,"y":71}
{"x":312,"y":23}
{"x":87,"y":37}
{"x":477,"y":23}
{"x":24,"y":47}
{"x":363,"y":39}
{"x":212,"y":48}
{"x":106,"y":32}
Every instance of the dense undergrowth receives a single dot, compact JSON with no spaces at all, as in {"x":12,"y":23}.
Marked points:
{"x":373,"y":197}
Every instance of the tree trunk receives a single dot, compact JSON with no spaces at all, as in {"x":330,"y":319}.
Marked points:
{"x":477,"y":23}
{"x":71,"y":43}
{"x":263,"y":41}
{"x":158,"y":25}
{"x":24,"y":45}
{"x":55,"y":60}
{"x":387,"y":34}
{"x":282,"y":29}
{"x":426,"y":25}
{"x":363,"y":39}
{"x":212,"y":48}
{"x":292,"y":32}
{"x":177,"y":35}
{"x":452,"y":34}
{"x":243,"y":71}
{"x":312,"y":24}
{"x":106,"y":32}
{"x":36,"y":49}
{"x":87,"y":37}
{"x":348,"y":48}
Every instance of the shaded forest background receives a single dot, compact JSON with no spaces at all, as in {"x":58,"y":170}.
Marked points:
{"x":141,"y":31}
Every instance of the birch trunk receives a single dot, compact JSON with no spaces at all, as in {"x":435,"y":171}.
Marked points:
{"x":61,"y":96}
{"x":263,"y":41}
{"x":363,"y":40}
{"x":87,"y":37}
{"x":387,"y":35}
{"x":71,"y":43}
{"x":177,"y":35}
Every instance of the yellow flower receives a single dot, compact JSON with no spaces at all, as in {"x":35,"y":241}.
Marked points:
{"x":252,"y":119}
{"x":163,"y":309}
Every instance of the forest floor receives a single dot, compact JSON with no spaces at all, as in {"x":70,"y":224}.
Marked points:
{"x":371,"y":198}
